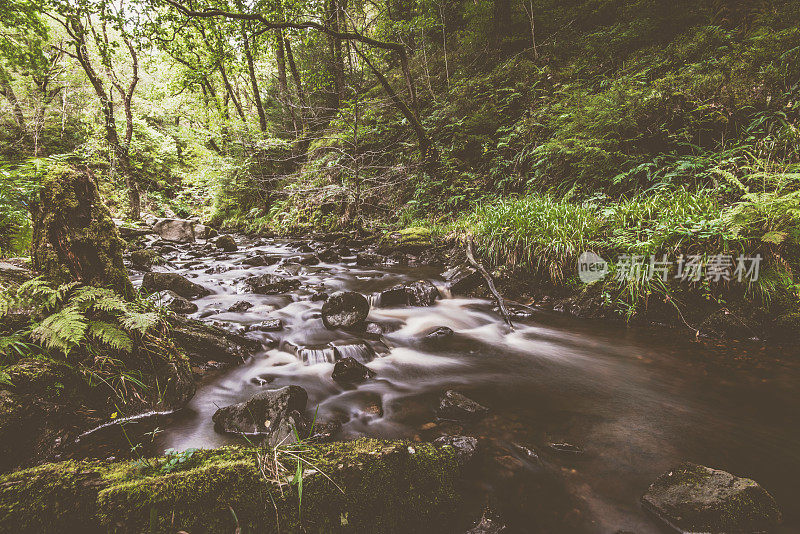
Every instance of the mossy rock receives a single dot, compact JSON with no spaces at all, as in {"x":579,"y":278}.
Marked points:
{"x":358,"y":486}
{"x":74,"y":236}
{"x":144,"y":259}
{"x":412,"y":239}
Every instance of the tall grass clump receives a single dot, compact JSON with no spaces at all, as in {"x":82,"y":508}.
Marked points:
{"x":535,"y":231}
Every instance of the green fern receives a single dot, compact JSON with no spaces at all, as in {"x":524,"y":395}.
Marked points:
{"x":63,"y":330}
{"x":110,"y":335}
{"x":140,"y":322}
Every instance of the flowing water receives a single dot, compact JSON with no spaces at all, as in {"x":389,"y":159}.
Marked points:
{"x":637,"y":401}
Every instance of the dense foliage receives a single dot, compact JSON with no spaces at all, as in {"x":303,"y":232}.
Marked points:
{"x":544,"y":128}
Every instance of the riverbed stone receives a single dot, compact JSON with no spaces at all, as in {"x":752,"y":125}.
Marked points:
{"x":270,"y":325}
{"x":144,"y":259}
{"x":349,"y":371}
{"x":178,"y":230}
{"x":454,"y":405}
{"x":202,"y":342}
{"x":240,"y":307}
{"x":419,"y":293}
{"x":173,"y":302}
{"x":270,"y":284}
{"x":153,"y":282}
{"x":344,"y":309}
{"x":226,"y":243}
{"x":695,"y":498}
{"x":438,"y":335}
{"x":272,"y":413}
{"x":464,"y":446}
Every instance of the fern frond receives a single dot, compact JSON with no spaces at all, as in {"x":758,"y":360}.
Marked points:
{"x":110,"y":335}
{"x":63,"y":330}
{"x":139,"y":322}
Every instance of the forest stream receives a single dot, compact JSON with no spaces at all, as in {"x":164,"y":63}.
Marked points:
{"x":604,"y":406}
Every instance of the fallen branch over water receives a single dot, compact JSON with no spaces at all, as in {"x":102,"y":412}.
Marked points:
{"x":489,"y":282}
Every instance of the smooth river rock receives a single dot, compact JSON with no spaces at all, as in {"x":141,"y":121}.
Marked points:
{"x":420,"y":293}
{"x":271,"y":413}
{"x":454,"y":405}
{"x":694,"y":498}
{"x":344,"y":309}
{"x":174,"y":282}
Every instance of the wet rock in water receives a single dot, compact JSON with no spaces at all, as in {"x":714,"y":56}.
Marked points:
{"x":174,"y":282}
{"x":307,"y":260}
{"x":260,"y":260}
{"x":271,"y":413}
{"x":489,"y":523}
{"x":420,"y":293}
{"x":565,"y":448}
{"x":318,"y":295}
{"x":349,"y":371}
{"x":202,"y":342}
{"x":438,"y":335}
{"x":178,"y":230}
{"x":328,"y":255}
{"x":344,"y":309}
{"x":240,"y":307}
{"x":454,"y":405}
{"x":144,"y":259}
{"x":226,"y":243}
{"x":694,"y":498}
{"x":373,"y":330}
{"x":270,"y":284}
{"x":369,"y":259}
{"x":204,"y":232}
{"x":270,"y":325}
{"x":462,"y":278}
{"x":464,"y":446}
{"x":173,"y":302}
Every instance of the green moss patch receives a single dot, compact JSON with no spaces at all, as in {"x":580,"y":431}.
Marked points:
{"x":359,"y":486}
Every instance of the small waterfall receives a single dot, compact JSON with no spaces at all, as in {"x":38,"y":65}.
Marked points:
{"x":332,"y":353}
{"x":315,"y":355}
{"x":361,"y":352}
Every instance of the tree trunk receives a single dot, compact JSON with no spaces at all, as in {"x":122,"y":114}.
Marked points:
{"x":7,"y":91}
{"x":336,"y":57}
{"x":501,"y":20}
{"x":282,"y":84}
{"x":298,"y":85}
{"x":262,"y":118}
{"x":230,"y":92}
{"x":74,"y":237}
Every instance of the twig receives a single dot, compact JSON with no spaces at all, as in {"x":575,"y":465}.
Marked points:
{"x":489,"y":282}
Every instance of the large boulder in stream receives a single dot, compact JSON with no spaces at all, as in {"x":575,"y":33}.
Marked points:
{"x":204,"y":343}
{"x":226,"y":243}
{"x":344,"y":309}
{"x":349,"y":371}
{"x":694,"y":498}
{"x":270,"y":284}
{"x":363,"y":485}
{"x":273,"y":414}
{"x":154,"y":282}
{"x":178,"y":230}
{"x":420,"y":293}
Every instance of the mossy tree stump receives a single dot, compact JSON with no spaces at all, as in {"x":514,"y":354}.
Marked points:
{"x":74,"y":237}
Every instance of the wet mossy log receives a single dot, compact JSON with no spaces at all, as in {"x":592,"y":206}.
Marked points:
{"x":74,"y":237}
{"x":358,"y":486}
